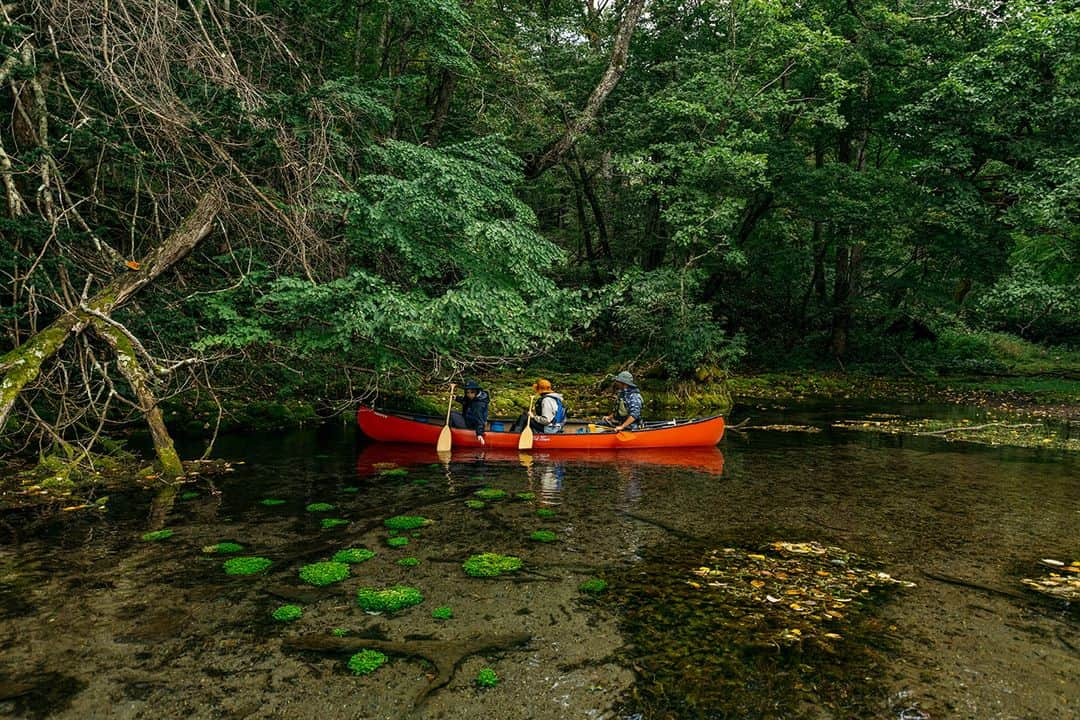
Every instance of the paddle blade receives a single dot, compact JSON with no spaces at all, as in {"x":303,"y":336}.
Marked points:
{"x":625,"y":435}
{"x":446,"y":438}
{"x":525,"y":440}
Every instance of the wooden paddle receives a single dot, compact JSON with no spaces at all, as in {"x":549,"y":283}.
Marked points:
{"x":446,"y":438}
{"x":525,"y":440}
{"x":624,"y":435}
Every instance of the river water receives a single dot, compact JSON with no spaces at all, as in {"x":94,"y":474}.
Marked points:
{"x":97,"y":622}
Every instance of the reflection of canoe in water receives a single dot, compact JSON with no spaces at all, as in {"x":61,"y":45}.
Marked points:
{"x":381,"y":455}
{"x":424,"y":430}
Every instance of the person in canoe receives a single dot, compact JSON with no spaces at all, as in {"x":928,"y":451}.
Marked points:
{"x":628,"y":404}
{"x":474,"y":410}
{"x":549,"y":411}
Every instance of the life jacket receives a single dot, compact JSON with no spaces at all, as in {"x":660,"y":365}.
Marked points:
{"x":560,"y":409}
{"x":622,"y":410}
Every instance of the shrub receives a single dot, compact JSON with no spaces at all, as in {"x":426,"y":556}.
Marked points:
{"x":366,"y":661}
{"x":223,"y":548}
{"x":249,"y":565}
{"x":324,"y":573}
{"x":319,"y":507}
{"x":487,"y":678}
{"x":544,"y":536}
{"x":442,"y":613}
{"x":353,"y":555}
{"x":406,"y":522}
{"x":157,"y":535}
{"x":288,"y":613}
{"x":491,"y":565}
{"x":389,"y":599}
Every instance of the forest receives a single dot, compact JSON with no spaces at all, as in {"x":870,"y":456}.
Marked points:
{"x":216,"y":203}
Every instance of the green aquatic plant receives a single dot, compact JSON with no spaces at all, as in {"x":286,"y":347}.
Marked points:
{"x":339,"y":632}
{"x":328,"y":523}
{"x":397,"y":541}
{"x":288,"y":613}
{"x":324,"y":573}
{"x":475,"y":504}
{"x":247,"y":565}
{"x":351,"y":489}
{"x":366,"y":661}
{"x":406,"y":522}
{"x":271,"y":502}
{"x":394,"y":472}
{"x":353,"y":555}
{"x":319,"y":507}
{"x":442,"y":613}
{"x":545,"y":513}
{"x":544,"y":536}
{"x":525,"y":496}
{"x":487,"y":678}
{"x":420,"y":481}
{"x":389,"y":599}
{"x":408,"y":562}
{"x":189,"y":495}
{"x":490,"y":493}
{"x":491,"y":565}
{"x":594,"y":586}
{"x":157,"y":535}
{"x":223,"y":548}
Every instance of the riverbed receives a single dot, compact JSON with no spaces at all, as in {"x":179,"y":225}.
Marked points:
{"x":98,"y":622}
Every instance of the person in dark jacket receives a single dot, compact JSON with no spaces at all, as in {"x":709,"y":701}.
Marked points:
{"x":474,"y":410}
{"x":628,"y":404}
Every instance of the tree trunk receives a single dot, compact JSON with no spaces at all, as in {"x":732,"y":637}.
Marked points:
{"x":23,"y":364}
{"x":616,"y":66}
{"x":583,"y":223}
{"x":598,"y":212}
{"x":442,"y":107}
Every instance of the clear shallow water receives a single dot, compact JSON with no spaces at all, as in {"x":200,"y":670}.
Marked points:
{"x":97,"y":623}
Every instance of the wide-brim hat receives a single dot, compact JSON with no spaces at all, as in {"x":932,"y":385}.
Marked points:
{"x":472,"y":385}
{"x":542,"y":386}
{"x":626,"y":378}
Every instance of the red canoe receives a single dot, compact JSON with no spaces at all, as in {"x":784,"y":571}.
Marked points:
{"x":424,"y":430}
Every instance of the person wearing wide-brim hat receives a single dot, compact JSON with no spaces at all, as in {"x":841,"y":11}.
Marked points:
{"x":474,"y":410}
{"x":628,"y":403}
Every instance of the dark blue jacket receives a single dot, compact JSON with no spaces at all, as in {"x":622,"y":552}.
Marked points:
{"x":475,"y":411}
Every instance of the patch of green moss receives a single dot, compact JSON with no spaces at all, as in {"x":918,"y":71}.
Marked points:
{"x":223,"y":548}
{"x":406,"y":522}
{"x":544,"y":536}
{"x":419,"y":481}
{"x":157,"y":535}
{"x":594,"y":586}
{"x":324,"y":573}
{"x":271,"y":502}
{"x":339,"y":632}
{"x":288,"y":613}
{"x":487,"y":678}
{"x":353,"y":555}
{"x":389,"y":599}
{"x":475,"y":504}
{"x":545,"y":513}
{"x":328,"y":523}
{"x":351,"y":489}
{"x":408,"y":562}
{"x":247,"y":565}
{"x":525,"y":496}
{"x":491,"y":565}
{"x":319,"y":507}
{"x":490,"y":494}
{"x":397,"y":541}
{"x":366,"y":661}
{"x":442,"y":613}
{"x":189,"y":495}
{"x":394,"y":472}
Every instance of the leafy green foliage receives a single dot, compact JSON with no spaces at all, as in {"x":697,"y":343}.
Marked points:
{"x":487,"y":678}
{"x":288,"y":613}
{"x":366,"y":662}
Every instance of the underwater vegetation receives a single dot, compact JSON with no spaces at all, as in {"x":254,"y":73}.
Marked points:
{"x":525,"y":496}
{"x":394,"y":472}
{"x":545,"y":513}
{"x":408,"y":562}
{"x":271,"y":502}
{"x":248,"y":565}
{"x":397,"y":541}
{"x":490,"y":494}
{"x":328,"y":523}
{"x":442,"y":613}
{"x":406,"y":522}
{"x":288,"y":613}
{"x":487,"y":678}
{"x":593,"y":586}
{"x":324,"y":573}
{"x":157,"y":535}
{"x":319,"y":507}
{"x":339,"y":632}
{"x":366,"y":661}
{"x":223,"y":548}
{"x":491,"y":565}
{"x":189,"y":495}
{"x":544,"y":536}
{"x":389,"y":599}
{"x":353,"y":555}
{"x":475,"y":504}
{"x":350,"y":489}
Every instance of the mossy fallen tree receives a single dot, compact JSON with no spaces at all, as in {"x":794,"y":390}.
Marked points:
{"x":445,"y":655}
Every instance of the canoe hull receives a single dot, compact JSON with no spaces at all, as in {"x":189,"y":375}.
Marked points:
{"x":392,"y":427}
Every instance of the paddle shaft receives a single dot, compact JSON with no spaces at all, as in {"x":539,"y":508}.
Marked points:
{"x":446,"y":438}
